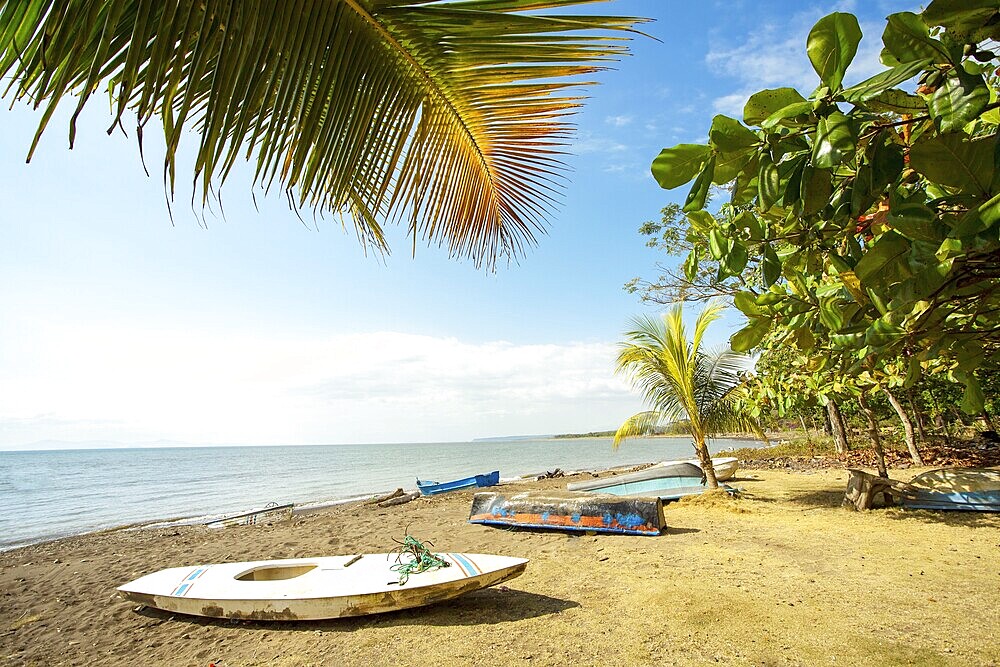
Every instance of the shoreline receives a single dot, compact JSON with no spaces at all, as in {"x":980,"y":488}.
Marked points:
{"x":789,"y":562}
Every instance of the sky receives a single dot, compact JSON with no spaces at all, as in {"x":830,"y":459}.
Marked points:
{"x":120,"y":325}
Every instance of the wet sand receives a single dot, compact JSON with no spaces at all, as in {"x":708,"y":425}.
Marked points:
{"x":782,"y":576}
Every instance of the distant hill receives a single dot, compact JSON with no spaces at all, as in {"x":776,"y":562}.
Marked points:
{"x":592,"y":434}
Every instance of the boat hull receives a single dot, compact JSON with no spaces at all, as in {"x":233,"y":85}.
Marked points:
{"x":573,"y":512}
{"x":428,"y":488}
{"x":658,"y":471}
{"x":958,"y":489}
{"x":314,"y":588}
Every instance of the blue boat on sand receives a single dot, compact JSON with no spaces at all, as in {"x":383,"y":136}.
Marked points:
{"x":429,"y":488}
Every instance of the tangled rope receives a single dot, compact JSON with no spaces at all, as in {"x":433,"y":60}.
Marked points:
{"x":421,"y":559}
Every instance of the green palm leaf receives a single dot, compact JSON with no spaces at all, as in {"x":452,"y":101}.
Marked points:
{"x":679,"y":380}
{"x":447,"y":114}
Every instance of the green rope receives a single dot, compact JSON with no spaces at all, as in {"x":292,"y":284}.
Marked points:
{"x":421,"y":559}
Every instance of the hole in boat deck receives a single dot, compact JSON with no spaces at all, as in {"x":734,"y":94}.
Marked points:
{"x":275,"y":572}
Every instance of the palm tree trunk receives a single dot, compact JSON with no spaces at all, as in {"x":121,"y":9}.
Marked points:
{"x":911,"y":442}
{"x":705,"y":457}
{"x":875,"y":435}
{"x":837,"y":427}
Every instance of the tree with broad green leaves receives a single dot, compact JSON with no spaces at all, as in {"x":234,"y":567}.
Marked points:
{"x":871,"y":212}
{"x":448,"y":115}
{"x":679,"y":380}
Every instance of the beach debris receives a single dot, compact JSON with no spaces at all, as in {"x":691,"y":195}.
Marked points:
{"x":420,"y":558}
{"x":551,"y":474}
{"x":268,"y":514}
{"x":381,"y":499}
{"x":400,"y":500}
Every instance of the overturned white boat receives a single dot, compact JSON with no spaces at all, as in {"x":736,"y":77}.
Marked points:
{"x":301,"y":589}
{"x":725,"y":468}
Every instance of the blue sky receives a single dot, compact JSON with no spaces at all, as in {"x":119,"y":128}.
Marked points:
{"x":253,"y":328}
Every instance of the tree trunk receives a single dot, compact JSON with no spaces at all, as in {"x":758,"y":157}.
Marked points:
{"x":875,"y":435}
{"x":988,"y":421}
{"x":802,"y":420}
{"x":911,"y":443}
{"x":837,"y":427}
{"x":916,"y":413}
{"x":706,"y":463}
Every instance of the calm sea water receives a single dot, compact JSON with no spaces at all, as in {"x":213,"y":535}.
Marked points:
{"x":50,"y":494}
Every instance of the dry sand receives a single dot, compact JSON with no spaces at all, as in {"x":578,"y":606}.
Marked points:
{"x":783,"y":576}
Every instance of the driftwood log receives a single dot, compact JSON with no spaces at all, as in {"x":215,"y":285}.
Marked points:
{"x":400,"y":500}
{"x":389,"y":496}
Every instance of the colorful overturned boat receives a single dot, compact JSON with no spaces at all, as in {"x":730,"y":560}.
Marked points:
{"x":301,"y":589}
{"x":964,"y":489}
{"x":429,"y":488}
{"x":269,"y":514}
{"x":572,"y":512}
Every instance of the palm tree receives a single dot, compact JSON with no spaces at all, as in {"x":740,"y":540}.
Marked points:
{"x":446,"y":114}
{"x":680,"y":381}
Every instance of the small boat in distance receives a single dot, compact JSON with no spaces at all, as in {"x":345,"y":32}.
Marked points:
{"x":429,"y":488}
{"x":268,"y":514}
{"x":301,"y":589}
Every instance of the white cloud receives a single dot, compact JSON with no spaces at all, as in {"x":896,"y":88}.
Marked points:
{"x":131,"y":384}
{"x":774,"y":55}
{"x":588,"y":143}
{"x":619,"y":121}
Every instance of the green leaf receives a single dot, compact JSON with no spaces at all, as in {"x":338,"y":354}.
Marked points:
{"x":954,"y":161}
{"x":915,"y":220}
{"x":897,"y":102}
{"x":833,"y":142}
{"x":748,"y":221}
{"x":728,"y":166}
{"x":771,"y":266}
{"x":736,"y":259}
{"x":718,"y":244}
{"x":791,"y":111}
{"x":728,"y":135}
{"x":968,"y":21}
{"x":766,"y":102}
{"x":907,"y":38}
{"x":699,"y":191}
{"x":815,"y":189}
{"x":746,"y":302}
{"x":832,"y":45}
{"x":973,"y":399}
{"x":887,"y":257}
{"x":674,"y":167}
{"x":768,"y":184}
{"x":882,"y":333}
{"x":880,"y":83}
{"x":958,"y":101}
{"x":830,"y":313}
{"x":691,"y":266}
{"x":749,"y":336}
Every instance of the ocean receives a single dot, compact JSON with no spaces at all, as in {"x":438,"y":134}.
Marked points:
{"x":50,"y":494}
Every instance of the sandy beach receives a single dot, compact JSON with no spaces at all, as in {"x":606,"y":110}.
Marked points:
{"x":781,"y":576}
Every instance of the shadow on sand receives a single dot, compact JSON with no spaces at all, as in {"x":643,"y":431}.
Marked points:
{"x":487,"y":606}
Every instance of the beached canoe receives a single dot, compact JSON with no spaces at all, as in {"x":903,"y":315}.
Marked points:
{"x":429,"y":488}
{"x":664,"y":488}
{"x":665,"y":470}
{"x":673,"y":474}
{"x":301,"y":589}
{"x":269,"y":514}
{"x":968,"y":489}
{"x":573,"y":512}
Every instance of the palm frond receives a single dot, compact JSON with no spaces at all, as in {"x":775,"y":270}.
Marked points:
{"x":637,"y":425}
{"x":448,"y":114}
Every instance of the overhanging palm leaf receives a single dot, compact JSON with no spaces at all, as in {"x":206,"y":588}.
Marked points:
{"x":679,"y":381}
{"x":448,"y":113}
